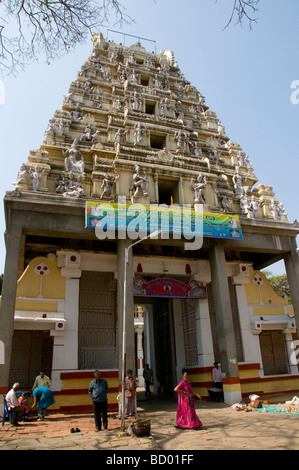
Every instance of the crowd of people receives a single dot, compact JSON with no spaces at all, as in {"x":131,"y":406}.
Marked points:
{"x":186,"y":417}
{"x":42,"y":399}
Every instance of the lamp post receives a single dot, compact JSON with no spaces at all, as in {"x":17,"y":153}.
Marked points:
{"x":151,"y":235}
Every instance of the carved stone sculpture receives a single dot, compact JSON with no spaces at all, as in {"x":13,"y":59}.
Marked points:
{"x":281,"y":210}
{"x":140,"y":183}
{"x":139,"y":130}
{"x":71,"y":161}
{"x":225,"y":201}
{"x":273,"y":209}
{"x":119,"y":135}
{"x":76,"y":114}
{"x":107,"y":184}
{"x":36,"y":176}
{"x":88,"y":135}
{"x":181,"y":140}
{"x":254,"y":206}
{"x":21,"y":176}
{"x":198,"y":187}
{"x":238,"y":181}
{"x":135,"y":102}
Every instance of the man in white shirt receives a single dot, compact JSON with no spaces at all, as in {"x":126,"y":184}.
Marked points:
{"x":42,"y":380}
{"x":13,"y":404}
{"x":217,"y":376}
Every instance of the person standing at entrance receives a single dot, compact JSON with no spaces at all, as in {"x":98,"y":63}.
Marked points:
{"x":217,"y":376}
{"x":98,"y":390}
{"x":147,"y":375}
{"x":130,"y":394}
{"x":42,"y":380}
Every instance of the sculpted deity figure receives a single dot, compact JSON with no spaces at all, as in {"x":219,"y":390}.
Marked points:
{"x":118,"y":104}
{"x":238,"y":180}
{"x":225,"y":201}
{"x":71,"y":161}
{"x":179,"y":112}
{"x":134,"y":76}
{"x":76,"y":114}
{"x":74,"y":188}
{"x":254,"y":206}
{"x":21,"y":176}
{"x":135,"y":102}
{"x":196,"y":148}
{"x":157,"y":83}
{"x":139,"y":130}
{"x":140,"y":183}
{"x":88,"y":87}
{"x":118,"y":136}
{"x":199,"y":186}
{"x":107,"y":184}
{"x":88,"y":135}
{"x":245,"y":204}
{"x":181,"y":140}
{"x":273,"y":209}
{"x":36,"y":177}
{"x":281,"y":210}
{"x":165,"y":107}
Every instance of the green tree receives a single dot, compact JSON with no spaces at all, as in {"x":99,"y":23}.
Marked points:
{"x":280,"y":284}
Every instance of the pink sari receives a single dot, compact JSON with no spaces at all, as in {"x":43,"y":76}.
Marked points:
{"x":186,"y":416}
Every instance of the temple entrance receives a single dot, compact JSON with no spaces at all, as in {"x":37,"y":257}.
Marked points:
{"x":31,"y":352}
{"x":158,"y":347}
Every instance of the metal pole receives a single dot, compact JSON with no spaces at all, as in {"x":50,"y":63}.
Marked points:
{"x":152,"y":235}
{"x":124,"y":344}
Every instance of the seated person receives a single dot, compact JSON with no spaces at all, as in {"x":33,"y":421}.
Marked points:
{"x":23,"y":401}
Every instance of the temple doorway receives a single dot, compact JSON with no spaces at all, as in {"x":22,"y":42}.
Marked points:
{"x":158,"y":343}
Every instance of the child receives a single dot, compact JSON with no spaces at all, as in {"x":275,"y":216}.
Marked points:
{"x":23,"y":402}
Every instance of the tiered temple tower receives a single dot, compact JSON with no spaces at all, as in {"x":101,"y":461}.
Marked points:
{"x":132,"y":126}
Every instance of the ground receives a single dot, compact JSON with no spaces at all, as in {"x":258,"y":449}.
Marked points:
{"x":223,"y":429}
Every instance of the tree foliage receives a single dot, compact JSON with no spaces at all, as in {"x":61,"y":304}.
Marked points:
{"x":280,"y":284}
{"x":29,"y":28}
{"x":244,"y":10}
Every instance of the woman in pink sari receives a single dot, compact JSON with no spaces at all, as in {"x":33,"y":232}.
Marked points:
{"x":186,"y":416}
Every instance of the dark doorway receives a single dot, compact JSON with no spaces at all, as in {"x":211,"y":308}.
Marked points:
{"x":31,"y":352}
{"x":164,"y":345}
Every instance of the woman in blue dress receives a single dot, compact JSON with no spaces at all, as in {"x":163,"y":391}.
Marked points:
{"x":43,"y":398}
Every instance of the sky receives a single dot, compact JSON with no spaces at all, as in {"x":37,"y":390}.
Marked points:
{"x":245,"y":75}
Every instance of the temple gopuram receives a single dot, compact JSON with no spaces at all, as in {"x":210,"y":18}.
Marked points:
{"x":132,"y":128}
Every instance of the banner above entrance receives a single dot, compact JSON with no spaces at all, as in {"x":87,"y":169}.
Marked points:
{"x":112,"y":217}
{"x":170,"y":288}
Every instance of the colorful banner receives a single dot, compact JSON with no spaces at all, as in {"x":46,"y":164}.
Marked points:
{"x":170,"y":219}
{"x":170,"y":288}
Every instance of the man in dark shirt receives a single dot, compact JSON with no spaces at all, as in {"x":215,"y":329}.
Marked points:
{"x":98,"y":389}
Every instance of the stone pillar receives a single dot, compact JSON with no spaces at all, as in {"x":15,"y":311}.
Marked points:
{"x":122,"y":245}
{"x":140,"y":356}
{"x":291,"y":261}
{"x":9,"y":288}
{"x":205,"y":351}
{"x":225,"y":327}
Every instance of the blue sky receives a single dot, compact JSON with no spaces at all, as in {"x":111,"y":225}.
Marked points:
{"x":244,"y":75}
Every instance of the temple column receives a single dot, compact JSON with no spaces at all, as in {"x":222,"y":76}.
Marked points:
{"x":291,"y":261}
{"x":225,"y":326}
{"x":9,"y":288}
{"x":125,"y":266}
